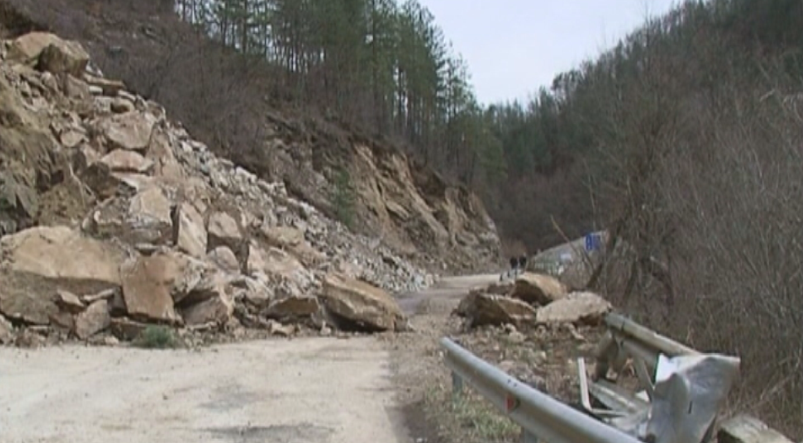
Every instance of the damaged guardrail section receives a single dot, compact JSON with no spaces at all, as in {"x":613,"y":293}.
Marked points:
{"x":541,"y":417}
{"x":678,"y":400}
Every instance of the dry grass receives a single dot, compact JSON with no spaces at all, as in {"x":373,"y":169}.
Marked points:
{"x":468,"y":418}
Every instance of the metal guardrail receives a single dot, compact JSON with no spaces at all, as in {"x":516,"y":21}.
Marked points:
{"x":540,"y":416}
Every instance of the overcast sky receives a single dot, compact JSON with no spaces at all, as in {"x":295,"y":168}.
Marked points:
{"x":515,"y":46}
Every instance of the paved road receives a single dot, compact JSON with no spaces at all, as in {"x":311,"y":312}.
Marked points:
{"x":448,"y":288}
{"x":303,"y":390}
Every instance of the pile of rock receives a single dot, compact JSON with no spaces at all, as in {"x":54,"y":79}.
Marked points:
{"x":533,"y":299}
{"x":167,"y":232}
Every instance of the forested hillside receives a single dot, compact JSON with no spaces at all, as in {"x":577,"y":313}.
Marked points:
{"x":685,"y":139}
{"x":382,"y":64}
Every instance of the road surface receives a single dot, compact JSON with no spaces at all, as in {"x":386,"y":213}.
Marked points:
{"x":277,"y":391}
{"x":303,"y":390}
{"x":445,"y":290}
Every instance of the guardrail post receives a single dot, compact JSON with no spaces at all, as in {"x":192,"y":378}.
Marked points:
{"x":527,"y":437}
{"x":457,"y":388}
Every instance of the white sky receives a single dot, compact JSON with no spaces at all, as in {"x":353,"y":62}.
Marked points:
{"x":515,"y":46}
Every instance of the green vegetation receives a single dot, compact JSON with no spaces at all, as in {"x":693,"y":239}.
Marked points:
{"x":469,"y":417}
{"x":157,"y":337}
{"x":343,"y":198}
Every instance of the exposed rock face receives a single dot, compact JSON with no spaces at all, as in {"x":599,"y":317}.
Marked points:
{"x":412,"y":209}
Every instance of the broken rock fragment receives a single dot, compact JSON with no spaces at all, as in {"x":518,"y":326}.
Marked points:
{"x":50,"y":53}
{"x":224,"y":259}
{"x":481,"y":309}
{"x":578,"y":308}
{"x":6,"y":331}
{"x":130,"y":130}
{"x":69,"y":302}
{"x":150,"y":284}
{"x":294,"y":307}
{"x":190,"y":233}
{"x":224,"y":230}
{"x":538,"y":289}
{"x":149,"y":217}
{"x":121,"y":160}
{"x":215,"y":306}
{"x":94,"y":319}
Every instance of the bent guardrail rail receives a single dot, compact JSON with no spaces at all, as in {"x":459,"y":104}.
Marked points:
{"x":540,"y":416}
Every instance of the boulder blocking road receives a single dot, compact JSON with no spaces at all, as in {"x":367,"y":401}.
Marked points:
{"x":302,"y":390}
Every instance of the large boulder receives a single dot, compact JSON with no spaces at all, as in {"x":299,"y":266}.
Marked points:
{"x":149,"y":217}
{"x":38,"y":261}
{"x":130,"y":131}
{"x":153,"y":284}
{"x":217,"y":309}
{"x":361,"y":304}
{"x":538,"y":289}
{"x":579,"y":308}
{"x":50,"y":53}
{"x":482,"y":309}
{"x":145,"y":218}
{"x":161,"y":154}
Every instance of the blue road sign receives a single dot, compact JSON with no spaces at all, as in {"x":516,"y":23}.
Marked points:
{"x":592,"y":242}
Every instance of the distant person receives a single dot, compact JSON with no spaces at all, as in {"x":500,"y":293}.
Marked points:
{"x":523,"y":263}
{"x":514,"y":263}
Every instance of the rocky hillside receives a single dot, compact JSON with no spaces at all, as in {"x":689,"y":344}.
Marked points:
{"x":367,"y":183}
{"x":113,"y":216}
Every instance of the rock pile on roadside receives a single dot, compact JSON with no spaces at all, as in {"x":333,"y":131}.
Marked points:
{"x":112,"y":217}
{"x":533,"y":299}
